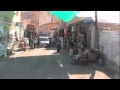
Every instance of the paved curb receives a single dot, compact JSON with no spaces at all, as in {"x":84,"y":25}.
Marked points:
{"x":17,"y":53}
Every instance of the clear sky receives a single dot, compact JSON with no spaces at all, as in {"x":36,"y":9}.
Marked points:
{"x":110,"y":16}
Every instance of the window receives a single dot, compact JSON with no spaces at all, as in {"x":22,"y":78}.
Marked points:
{"x":44,"y":39}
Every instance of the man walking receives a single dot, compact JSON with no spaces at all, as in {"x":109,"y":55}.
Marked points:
{"x":58,"y":46}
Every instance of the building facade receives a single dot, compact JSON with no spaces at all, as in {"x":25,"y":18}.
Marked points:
{"x":8,"y":20}
{"x":109,"y":44}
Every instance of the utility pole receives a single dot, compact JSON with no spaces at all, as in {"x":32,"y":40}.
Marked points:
{"x":97,"y":31}
{"x":51,"y":18}
{"x":38,"y":22}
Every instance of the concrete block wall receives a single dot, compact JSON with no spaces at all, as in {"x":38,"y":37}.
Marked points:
{"x":110,"y":41}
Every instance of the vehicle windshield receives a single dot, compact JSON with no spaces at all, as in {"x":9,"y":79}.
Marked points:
{"x":44,"y":39}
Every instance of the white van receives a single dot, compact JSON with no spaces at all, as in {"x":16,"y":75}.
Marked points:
{"x":44,"y":41}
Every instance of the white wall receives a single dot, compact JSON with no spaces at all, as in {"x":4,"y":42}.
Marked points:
{"x":17,"y":18}
{"x":110,"y":41}
{"x":91,"y":27}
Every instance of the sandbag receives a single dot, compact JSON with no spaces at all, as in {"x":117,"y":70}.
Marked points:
{"x":92,"y":56}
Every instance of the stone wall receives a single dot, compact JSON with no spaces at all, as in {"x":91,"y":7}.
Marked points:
{"x":109,"y":43}
{"x":109,"y":26}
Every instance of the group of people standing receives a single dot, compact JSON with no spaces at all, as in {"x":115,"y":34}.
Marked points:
{"x":73,"y":45}
{"x":33,"y":42}
{"x":32,"y":39}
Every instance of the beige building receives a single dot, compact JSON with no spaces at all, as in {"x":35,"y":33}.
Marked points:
{"x":8,"y":22}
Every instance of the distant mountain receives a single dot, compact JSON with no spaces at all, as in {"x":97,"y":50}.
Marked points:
{"x":44,"y":17}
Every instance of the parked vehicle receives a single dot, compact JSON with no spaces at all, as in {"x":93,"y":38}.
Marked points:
{"x":44,"y":41}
